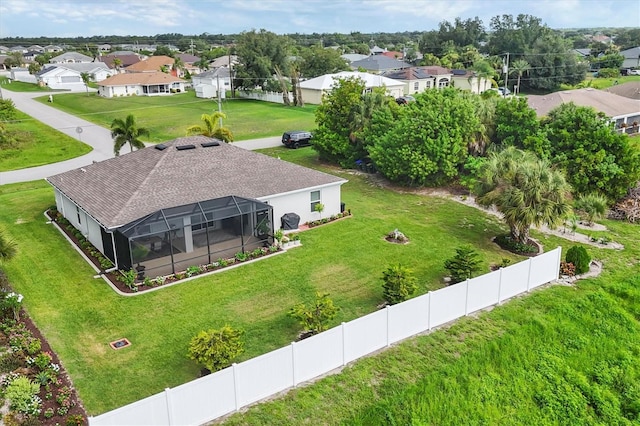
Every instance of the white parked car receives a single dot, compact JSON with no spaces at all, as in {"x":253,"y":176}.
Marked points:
{"x":634,"y":72}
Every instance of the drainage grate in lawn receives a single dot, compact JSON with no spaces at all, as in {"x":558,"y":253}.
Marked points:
{"x":120,"y":343}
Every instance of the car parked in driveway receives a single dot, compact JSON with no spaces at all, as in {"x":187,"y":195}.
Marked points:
{"x":634,"y":72}
{"x":296,"y":138}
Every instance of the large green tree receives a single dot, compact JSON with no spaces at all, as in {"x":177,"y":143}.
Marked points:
{"x":427,"y":143}
{"x":127,"y":132}
{"x":259,"y":53}
{"x":526,"y":190}
{"x":595,"y":157}
{"x":317,"y":61}
{"x":517,"y":125}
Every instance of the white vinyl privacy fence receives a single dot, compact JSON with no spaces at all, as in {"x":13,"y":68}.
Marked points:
{"x":228,"y":390}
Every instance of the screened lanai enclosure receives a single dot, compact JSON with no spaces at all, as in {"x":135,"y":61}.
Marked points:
{"x":170,"y":240}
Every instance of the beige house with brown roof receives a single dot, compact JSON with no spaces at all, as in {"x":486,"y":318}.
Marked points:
{"x":618,"y":108}
{"x":189,"y":201}
{"x":141,"y":84}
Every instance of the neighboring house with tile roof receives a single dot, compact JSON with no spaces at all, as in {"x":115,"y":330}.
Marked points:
{"x":630,"y":89}
{"x":379,"y":64}
{"x":51,"y":48}
{"x":154,"y":64}
{"x":224,"y":61}
{"x":631,"y":58}
{"x":188,"y":202}
{"x":69,"y":75}
{"x":353,"y":57}
{"x":419,"y":79}
{"x":141,"y":84}
{"x":313,"y":89}
{"x":70,"y":57}
{"x":618,"y":108}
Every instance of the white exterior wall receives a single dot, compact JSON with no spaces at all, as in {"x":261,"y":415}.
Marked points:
{"x":423,"y":84}
{"x":87,"y":225}
{"x":299,"y":202}
{"x":464,"y":83}
{"x":113,"y":91}
{"x":312,"y":96}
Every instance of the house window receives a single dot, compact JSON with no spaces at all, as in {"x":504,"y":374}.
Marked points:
{"x":315,"y":200}
{"x":428,"y":86}
{"x":78,"y":213}
{"x":416,"y":86}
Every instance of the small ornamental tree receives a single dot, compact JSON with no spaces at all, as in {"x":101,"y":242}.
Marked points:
{"x":315,"y":317}
{"x":215,"y":349}
{"x":580,"y":258}
{"x":464,"y":264}
{"x":399,"y":284}
{"x":594,"y":206}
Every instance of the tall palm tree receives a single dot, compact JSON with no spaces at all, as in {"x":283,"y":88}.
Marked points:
{"x":127,"y":131}
{"x":525,"y":189}
{"x":483,"y":70}
{"x":117,"y":63}
{"x":178,"y":65}
{"x":520,"y":67}
{"x":7,"y":248}
{"x":86,"y":78}
{"x":203,"y":64}
{"x":212,"y":127}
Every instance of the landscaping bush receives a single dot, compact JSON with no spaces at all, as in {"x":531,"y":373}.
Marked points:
{"x":23,"y":396}
{"x":215,"y":349}
{"x":315,"y":318}
{"x":464,"y":264}
{"x":399,"y":284}
{"x":579,"y":257}
{"x":506,"y":242}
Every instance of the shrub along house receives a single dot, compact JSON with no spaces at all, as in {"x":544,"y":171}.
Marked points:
{"x":189,"y":201}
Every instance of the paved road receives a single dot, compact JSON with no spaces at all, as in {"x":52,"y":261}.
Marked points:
{"x":93,"y":135}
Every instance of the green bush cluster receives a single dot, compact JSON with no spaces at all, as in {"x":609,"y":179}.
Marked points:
{"x":579,"y":257}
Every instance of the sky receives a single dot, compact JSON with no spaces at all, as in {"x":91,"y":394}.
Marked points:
{"x":73,"y":18}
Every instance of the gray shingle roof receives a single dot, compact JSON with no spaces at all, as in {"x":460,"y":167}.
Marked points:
{"x":122,"y":189}
{"x":379,"y":63}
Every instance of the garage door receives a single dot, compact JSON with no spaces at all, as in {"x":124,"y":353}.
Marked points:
{"x":71,"y":79}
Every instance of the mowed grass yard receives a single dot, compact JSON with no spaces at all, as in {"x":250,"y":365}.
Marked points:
{"x":80,"y":315}
{"x":168,"y":117}
{"x":37,"y":144}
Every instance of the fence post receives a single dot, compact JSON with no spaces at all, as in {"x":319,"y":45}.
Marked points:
{"x":466,"y":300}
{"x":293,"y":363}
{"x":344,"y":347}
{"x":529,"y":275}
{"x":235,"y":386}
{"x":499,"y":286}
{"x":429,"y":313}
{"x":559,"y":248}
{"x":388,"y":338}
{"x":167,"y":395}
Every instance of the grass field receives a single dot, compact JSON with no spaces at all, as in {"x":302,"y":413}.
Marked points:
{"x":37,"y":144}
{"x":18,"y":86}
{"x":167,"y":117}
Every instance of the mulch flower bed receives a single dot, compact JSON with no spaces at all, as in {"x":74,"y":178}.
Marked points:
{"x":28,"y":354}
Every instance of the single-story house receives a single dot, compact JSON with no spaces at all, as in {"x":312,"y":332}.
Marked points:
{"x":22,"y":74}
{"x":622,"y":111}
{"x":469,"y":80}
{"x":224,"y":61}
{"x":379,"y":64}
{"x":69,"y":75}
{"x":630,"y":89}
{"x":419,"y":79}
{"x":51,"y":48}
{"x":353,"y":57}
{"x":73,"y":57}
{"x":104,"y":48}
{"x":631,"y":58}
{"x":189,"y":201}
{"x":142,"y":83}
{"x":206,"y":83}
{"x":313,"y":89}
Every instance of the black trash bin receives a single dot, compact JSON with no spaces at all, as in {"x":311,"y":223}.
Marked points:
{"x":342,"y":207}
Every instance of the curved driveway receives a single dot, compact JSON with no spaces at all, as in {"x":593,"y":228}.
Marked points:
{"x":93,"y":135}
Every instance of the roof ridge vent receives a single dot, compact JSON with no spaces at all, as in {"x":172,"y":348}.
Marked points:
{"x":185,"y":147}
{"x":208,"y":144}
{"x":161,"y":147}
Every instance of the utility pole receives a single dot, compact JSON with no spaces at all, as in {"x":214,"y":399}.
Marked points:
{"x":505,"y":68}
{"x":191,"y":46}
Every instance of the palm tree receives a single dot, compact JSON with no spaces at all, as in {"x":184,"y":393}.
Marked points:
{"x":117,"y":63}
{"x":525,"y":189}
{"x":7,"y":248}
{"x":178,"y":65}
{"x":520,"y":67}
{"x":212,"y":127}
{"x":203,"y":64}
{"x":483,"y":70}
{"x":86,"y":78}
{"x":126,"y":131}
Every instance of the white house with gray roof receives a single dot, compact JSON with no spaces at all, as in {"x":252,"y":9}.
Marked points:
{"x":70,"y":57}
{"x":313,"y":89}
{"x":69,"y":76}
{"x":189,"y":201}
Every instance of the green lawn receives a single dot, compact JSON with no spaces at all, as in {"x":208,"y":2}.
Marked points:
{"x":19,"y":86}
{"x":37,"y":144}
{"x":80,"y":315}
{"x":167,"y":117}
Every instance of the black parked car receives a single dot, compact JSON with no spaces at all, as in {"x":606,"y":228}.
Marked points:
{"x":296,"y":138}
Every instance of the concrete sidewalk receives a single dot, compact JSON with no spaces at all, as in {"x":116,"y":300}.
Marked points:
{"x":91,"y":134}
